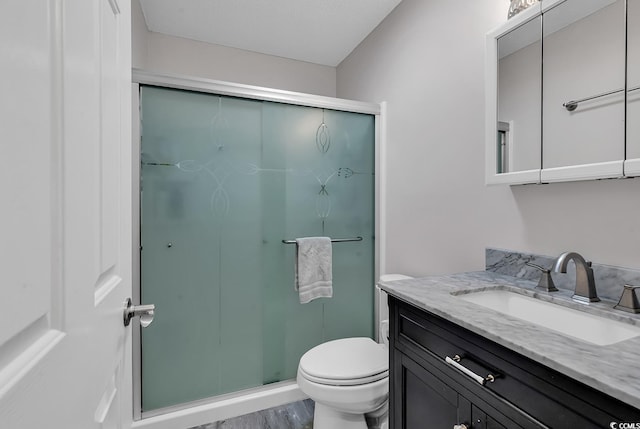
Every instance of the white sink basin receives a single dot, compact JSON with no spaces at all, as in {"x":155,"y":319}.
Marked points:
{"x":578,"y":324}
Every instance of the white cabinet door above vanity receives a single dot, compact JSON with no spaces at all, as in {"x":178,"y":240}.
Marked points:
{"x":514,"y":67}
{"x":632,"y":162}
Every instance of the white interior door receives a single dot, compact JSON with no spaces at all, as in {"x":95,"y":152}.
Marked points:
{"x":65,"y":219}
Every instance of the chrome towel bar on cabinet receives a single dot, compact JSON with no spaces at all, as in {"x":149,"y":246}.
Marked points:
{"x":573,"y":104}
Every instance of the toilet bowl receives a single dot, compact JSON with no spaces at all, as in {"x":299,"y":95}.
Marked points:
{"x":348,"y":379}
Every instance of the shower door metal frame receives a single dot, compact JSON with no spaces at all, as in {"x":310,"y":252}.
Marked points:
{"x":162,"y":418}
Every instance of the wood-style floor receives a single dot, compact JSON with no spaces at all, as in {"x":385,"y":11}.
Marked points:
{"x":298,"y":415}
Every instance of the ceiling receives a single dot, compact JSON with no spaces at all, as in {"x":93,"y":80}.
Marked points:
{"x":317,"y":31}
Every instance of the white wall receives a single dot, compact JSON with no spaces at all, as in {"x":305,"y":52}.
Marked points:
{"x":427,"y":61}
{"x":162,"y":53}
{"x":138,"y":36}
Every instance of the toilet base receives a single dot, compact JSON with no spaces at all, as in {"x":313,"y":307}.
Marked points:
{"x":378,"y":419}
{"x":329,"y":418}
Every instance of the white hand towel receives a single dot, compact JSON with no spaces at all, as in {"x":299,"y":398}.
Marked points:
{"x":314,"y":278}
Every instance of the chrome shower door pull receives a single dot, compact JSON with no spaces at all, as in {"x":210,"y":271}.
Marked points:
{"x":145,"y":312}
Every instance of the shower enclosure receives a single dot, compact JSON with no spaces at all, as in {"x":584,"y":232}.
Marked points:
{"x":224,"y":182}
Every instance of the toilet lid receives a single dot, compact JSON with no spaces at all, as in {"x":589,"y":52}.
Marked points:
{"x":348,"y":361}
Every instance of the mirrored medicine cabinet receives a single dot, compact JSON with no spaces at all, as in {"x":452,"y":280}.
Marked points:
{"x":632,"y":162}
{"x":562,"y":77}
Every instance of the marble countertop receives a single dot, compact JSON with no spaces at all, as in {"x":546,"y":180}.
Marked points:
{"x":612,"y":369}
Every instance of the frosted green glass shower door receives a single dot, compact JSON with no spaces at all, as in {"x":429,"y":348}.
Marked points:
{"x":223,"y":181}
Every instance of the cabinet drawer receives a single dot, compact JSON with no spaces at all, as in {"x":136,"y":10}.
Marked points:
{"x":550,"y":397}
{"x":434,"y":400}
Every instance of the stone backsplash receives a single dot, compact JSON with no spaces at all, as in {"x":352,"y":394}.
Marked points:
{"x":609,"y":280}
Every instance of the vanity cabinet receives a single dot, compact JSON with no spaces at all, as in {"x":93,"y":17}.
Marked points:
{"x":427,"y":391}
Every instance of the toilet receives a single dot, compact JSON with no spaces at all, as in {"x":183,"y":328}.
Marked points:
{"x":348,"y":379}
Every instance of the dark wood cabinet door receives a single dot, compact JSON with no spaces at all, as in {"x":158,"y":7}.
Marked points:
{"x":427,"y":402}
{"x":481,"y":420}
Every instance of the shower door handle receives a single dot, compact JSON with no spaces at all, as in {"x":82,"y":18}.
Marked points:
{"x":145,"y":312}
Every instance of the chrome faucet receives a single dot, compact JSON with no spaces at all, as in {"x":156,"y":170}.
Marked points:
{"x":585,"y":285}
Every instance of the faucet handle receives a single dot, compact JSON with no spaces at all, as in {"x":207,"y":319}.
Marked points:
{"x":543,"y":269}
{"x":629,"y":300}
{"x":546,"y":282}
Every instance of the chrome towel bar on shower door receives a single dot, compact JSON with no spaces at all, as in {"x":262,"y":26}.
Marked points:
{"x":333,"y":240}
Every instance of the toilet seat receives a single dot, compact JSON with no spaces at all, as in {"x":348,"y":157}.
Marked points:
{"x":345,"y":362}
{"x":344,"y":382}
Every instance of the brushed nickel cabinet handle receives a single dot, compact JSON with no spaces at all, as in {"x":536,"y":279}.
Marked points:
{"x":478,"y":378}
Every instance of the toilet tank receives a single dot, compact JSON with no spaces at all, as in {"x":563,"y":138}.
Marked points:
{"x":382,"y":307}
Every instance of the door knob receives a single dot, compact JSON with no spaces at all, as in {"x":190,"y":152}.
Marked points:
{"x":145,"y":312}
{"x":462,"y":426}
